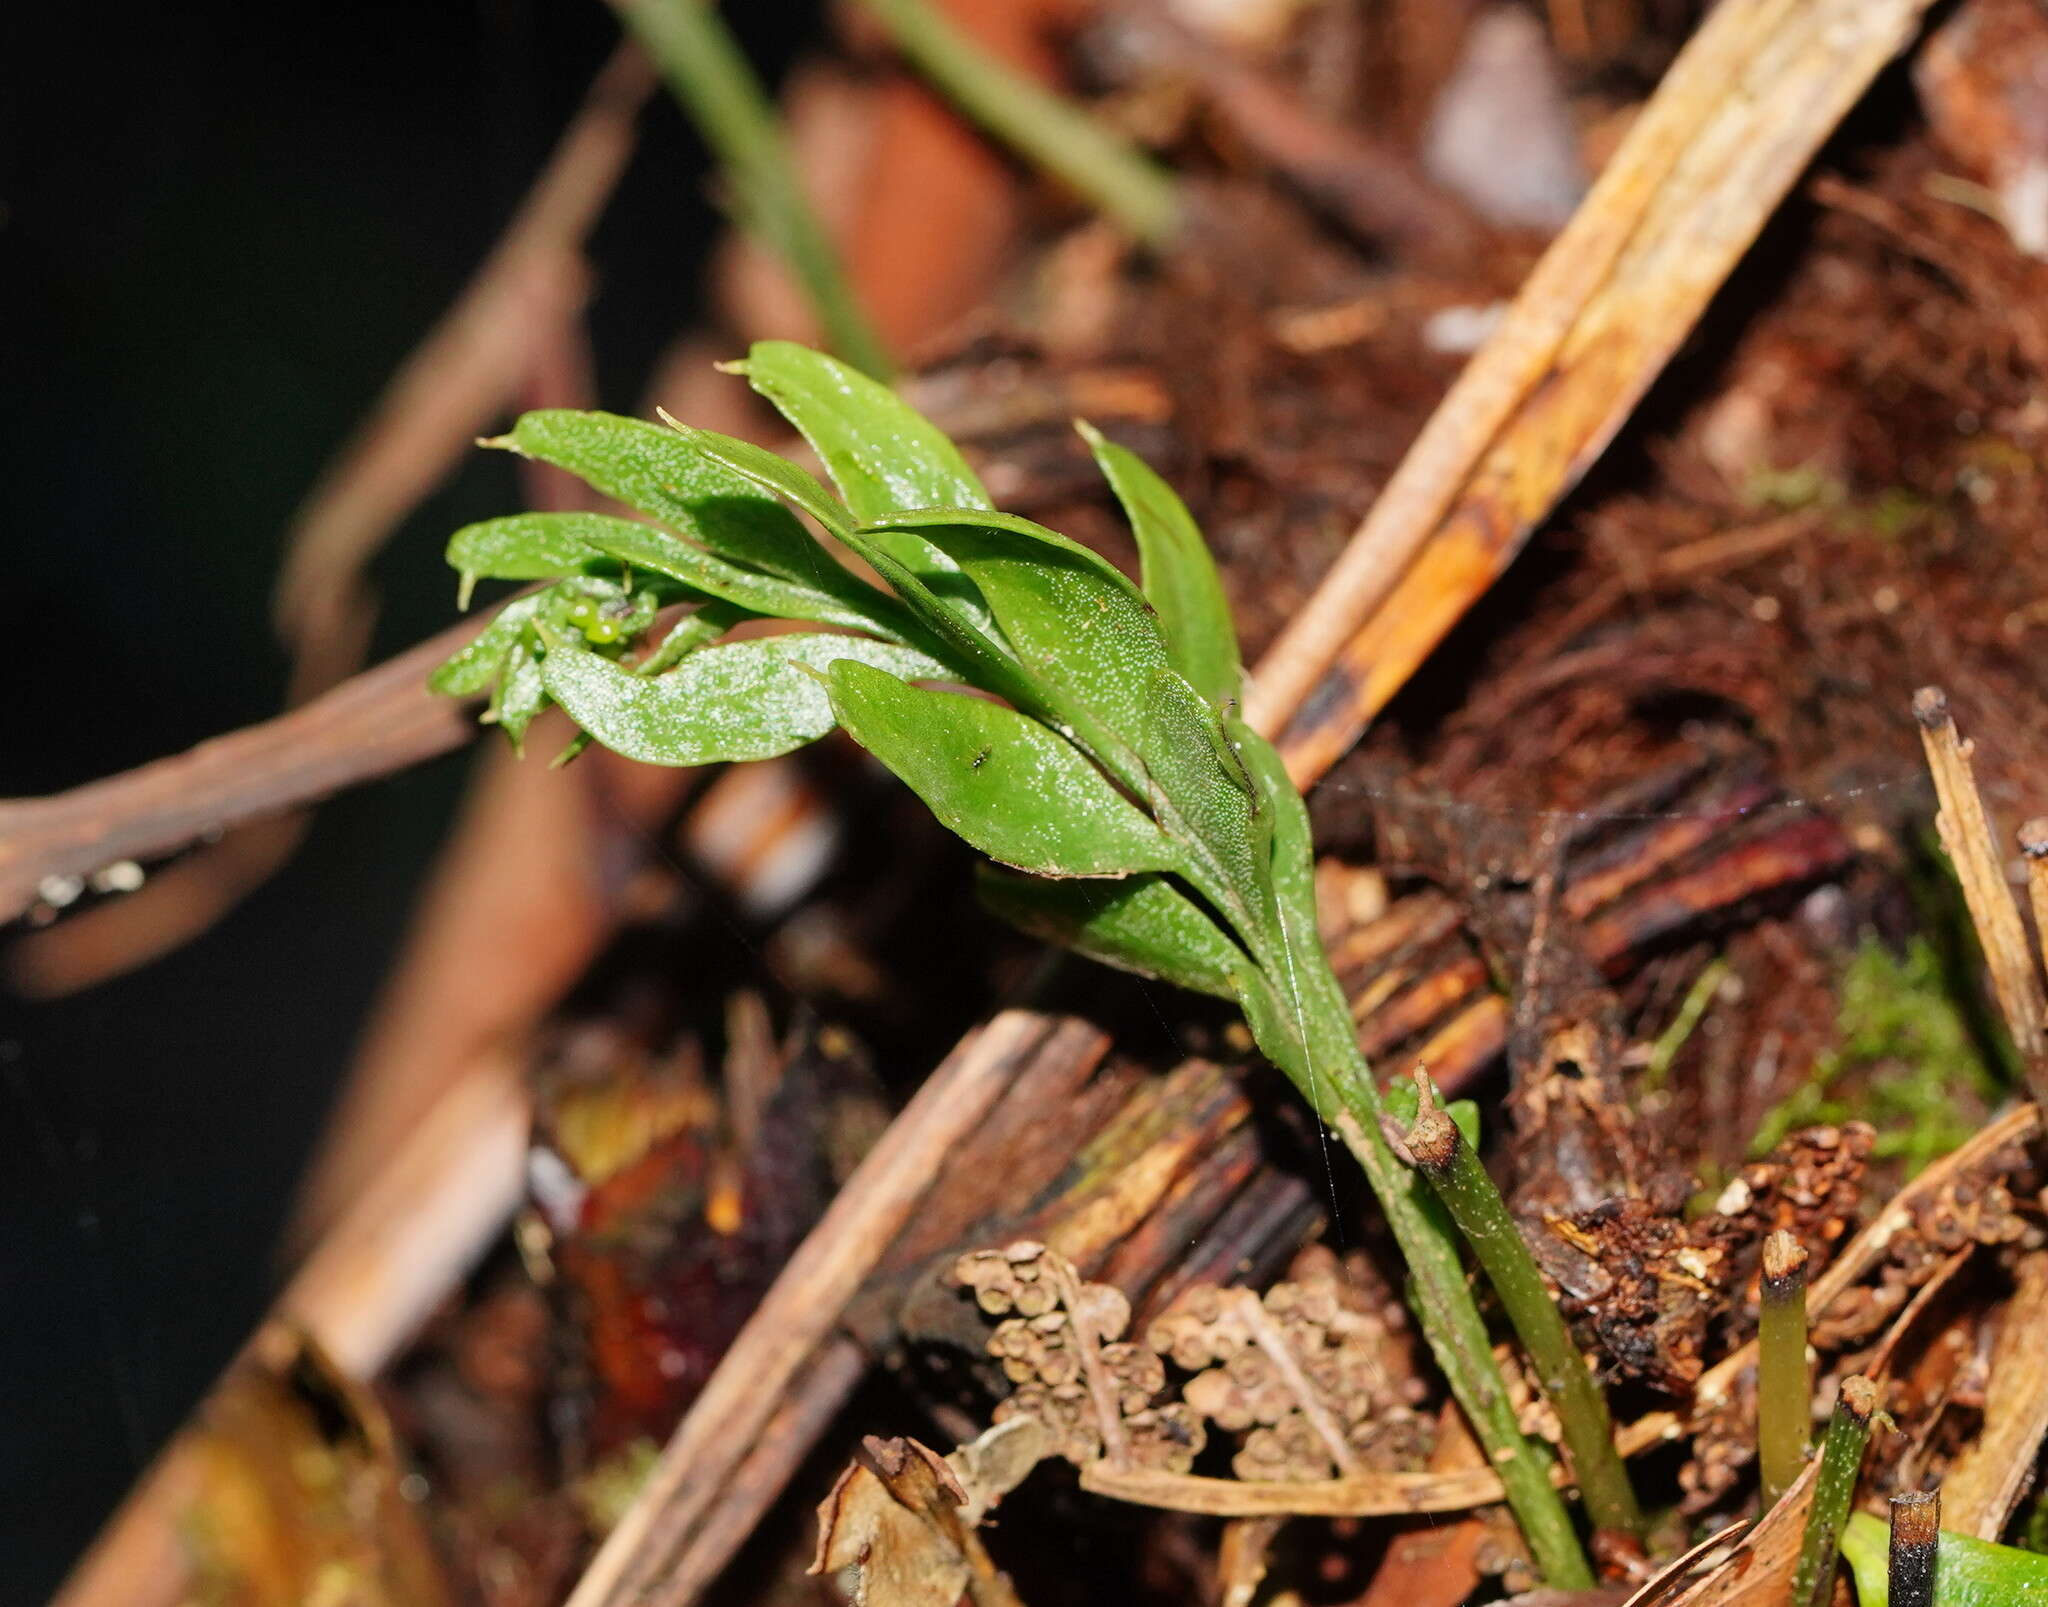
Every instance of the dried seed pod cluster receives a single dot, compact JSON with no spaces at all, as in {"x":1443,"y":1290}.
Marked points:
{"x":1010,"y":1279}
{"x":1251,"y":1359}
{"x":1059,"y":1337}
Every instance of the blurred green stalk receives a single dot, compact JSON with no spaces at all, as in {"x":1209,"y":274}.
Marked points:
{"x":710,"y":76}
{"x":1112,"y":176}
{"x":1783,"y":1411}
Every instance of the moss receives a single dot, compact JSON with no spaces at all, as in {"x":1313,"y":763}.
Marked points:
{"x":1900,"y":1022}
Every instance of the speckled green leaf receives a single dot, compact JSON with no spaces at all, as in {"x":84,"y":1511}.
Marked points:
{"x":744,"y":700}
{"x":1178,"y":574}
{"x":520,"y":694}
{"x":1142,"y":924}
{"x":1290,"y":855}
{"x":1201,"y":791}
{"x":1076,"y":624}
{"x":657,"y":471}
{"x":883,"y":454}
{"x":929,"y":583}
{"x":688,"y":634}
{"x":1017,"y":791}
{"x":526,"y":546}
{"x":470,"y":669}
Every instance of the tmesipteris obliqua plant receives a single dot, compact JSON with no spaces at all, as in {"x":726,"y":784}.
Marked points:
{"x":1130,"y":814}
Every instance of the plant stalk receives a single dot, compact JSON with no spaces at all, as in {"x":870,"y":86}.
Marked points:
{"x":717,"y":87}
{"x":1916,"y":1541}
{"x":1783,"y":1413}
{"x":1332,"y":1074}
{"x":1047,"y":131}
{"x":1841,"y":1463}
{"x":1475,"y":1205}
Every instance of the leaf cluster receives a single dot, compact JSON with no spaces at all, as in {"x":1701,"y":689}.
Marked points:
{"x":1078,"y":729}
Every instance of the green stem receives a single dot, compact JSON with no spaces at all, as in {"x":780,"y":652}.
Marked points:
{"x":1475,"y":1205}
{"x":1841,"y":1463}
{"x":1045,"y":130}
{"x":1330,"y":1071}
{"x":1783,"y":1413}
{"x":717,"y":88}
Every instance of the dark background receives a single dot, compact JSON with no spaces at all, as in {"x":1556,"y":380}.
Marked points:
{"x":221,"y":228}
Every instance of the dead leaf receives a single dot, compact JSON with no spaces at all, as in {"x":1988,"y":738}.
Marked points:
{"x":896,"y":1517}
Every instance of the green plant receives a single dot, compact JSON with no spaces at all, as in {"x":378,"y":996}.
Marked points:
{"x":1045,"y":130}
{"x":1834,"y":1485}
{"x":710,"y":76}
{"x":1784,"y":1427}
{"x":1900,"y":1020}
{"x":1130,"y":814}
{"x":1440,"y":1149}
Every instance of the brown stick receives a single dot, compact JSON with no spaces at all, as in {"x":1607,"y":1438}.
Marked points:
{"x":1736,"y":119}
{"x":1966,"y":835}
{"x":637,"y":1562}
{"x":378,"y":722}
{"x":1986,"y":1481}
{"x":798,"y":1424}
{"x":455,"y":382}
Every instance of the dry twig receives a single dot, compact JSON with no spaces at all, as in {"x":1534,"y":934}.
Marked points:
{"x":1740,"y":113}
{"x":1966,"y":835}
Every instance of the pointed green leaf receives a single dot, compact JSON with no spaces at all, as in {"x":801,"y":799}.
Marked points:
{"x":848,"y":600}
{"x":1277,"y":1033}
{"x":520,"y":693}
{"x":656,"y":470}
{"x":1202,"y":793}
{"x":527,"y":546}
{"x":688,"y":634}
{"x":1291,"y":856}
{"x":1179,"y":575}
{"x":1142,"y":924}
{"x":1014,"y":789}
{"x":929,"y":583}
{"x":882,"y":453}
{"x":1076,"y":624}
{"x":470,"y":669}
{"x":744,"y":700}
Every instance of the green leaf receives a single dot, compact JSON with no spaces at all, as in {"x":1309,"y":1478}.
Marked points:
{"x":844,"y":599}
{"x":1276,"y":1031}
{"x":929,"y":583}
{"x":520,"y":693}
{"x":1143,"y":924}
{"x":688,"y":634}
{"x":470,"y":670}
{"x":1014,"y":789}
{"x":527,"y":546}
{"x":1201,"y":793}
{"x":1179,"y":575}
{"x":1403,"y":1103}
{"x":1967,"y":1572}
{"x":743,"y":700}
{"x":1076,"y":624}
{"x":1291,"y":854}
{"x":883,"y":454}
{"x":657,"y":471}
